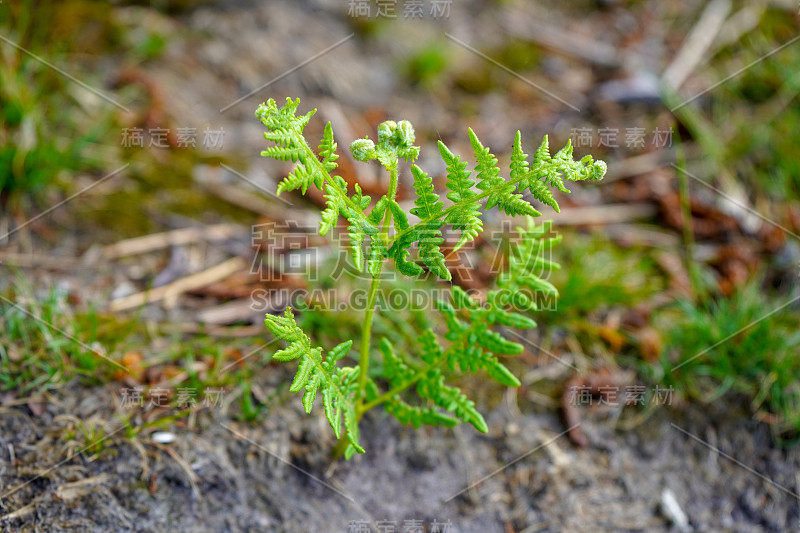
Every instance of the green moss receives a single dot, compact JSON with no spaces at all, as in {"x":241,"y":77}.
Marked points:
{"x":745,"y":345}
{"x":599,"y":275}
{"x":427,"y":65}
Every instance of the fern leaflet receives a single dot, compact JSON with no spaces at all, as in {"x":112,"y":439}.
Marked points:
{"x":338,"y":385}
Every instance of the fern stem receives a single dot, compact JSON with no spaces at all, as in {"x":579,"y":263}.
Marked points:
{"x":366,"y":332}
{"x":338,"y":450}
{"x":366,"y":328}
{"x":388,"y":395}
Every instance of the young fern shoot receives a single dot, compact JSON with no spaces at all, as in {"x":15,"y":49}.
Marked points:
{"x":471,"y":342}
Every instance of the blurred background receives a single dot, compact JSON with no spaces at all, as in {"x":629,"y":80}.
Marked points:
{"x":139,"y":224}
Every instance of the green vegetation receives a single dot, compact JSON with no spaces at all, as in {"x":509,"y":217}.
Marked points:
{"x":54,"y":129}
{"x":45,"y":134}
{"x":602,"y":277}
{"x":756,"y":113}
{"x":743,"y":346}
{"x":38,"y":355}
{"x":46,"y":342}
{"x":473,"y":342}
{"x":427,"y":65}
{"x":746,"y":345}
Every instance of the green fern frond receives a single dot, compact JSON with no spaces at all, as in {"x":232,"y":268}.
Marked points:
{"x":395,"y":141}
{"x":338,"y":385}
{"x":429,"y":386}
{"x":501,"y":193}
{"x":465,"y":210}
{"x":299,"y":178}
{"x":406,"y":413}
{"x":417,"y":416}
{"x":330,"y":215}
{"x":395,"y":369}
{"x":451,"y":399}
{"x":527,"y":258}
{"x":357,"y":237}
{"x":547,"y":171}
{"x":473,"y":345}
{"x":428,"y":207}
{"x":430,"y":351}
{"x":399,"y":252}
{"x":474,"y":339}
{"x":427,"y":203}
{"x":529,"y":179}
{"x":285,"y":129}
{"x":327,"y":149}
{"x":398,"y":215}
{"x":377,"y":253}
{"x":466,"y":215}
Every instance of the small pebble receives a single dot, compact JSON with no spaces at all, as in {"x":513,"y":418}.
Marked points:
{"x":163,"y":437}
{"x":672,"y":510}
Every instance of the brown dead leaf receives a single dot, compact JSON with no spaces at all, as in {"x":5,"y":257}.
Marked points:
{"x":133,"y":361}
{"x":37,"y":405}
{"x":234,"y":355}
{"x":708,"y":222}
{"x":649,"y":344}
{"x":161,"y":373}
{"x":171,"y":371}
{"x":79,"y":489}
{"x":772,"y":238}
{"x":636,"y":317}
{"x":615,"y":339}
{"x":736,"y":263}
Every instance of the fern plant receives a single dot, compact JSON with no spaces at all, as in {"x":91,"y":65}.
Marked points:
{"x":471,"y":341}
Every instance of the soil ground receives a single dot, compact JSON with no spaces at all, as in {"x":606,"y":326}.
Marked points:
{"x":276,"y":475}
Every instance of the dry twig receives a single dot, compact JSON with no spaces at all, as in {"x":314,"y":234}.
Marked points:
{"x":181,"y":286}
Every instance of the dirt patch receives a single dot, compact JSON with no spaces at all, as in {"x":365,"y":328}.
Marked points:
{"x":275,"y":475}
